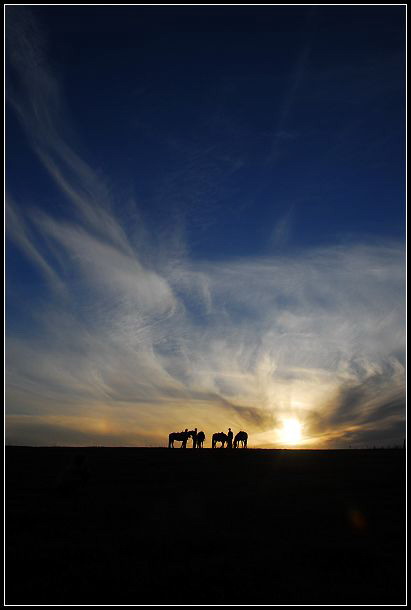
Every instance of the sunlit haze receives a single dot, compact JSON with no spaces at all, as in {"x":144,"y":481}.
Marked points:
{"x":291,"y":432}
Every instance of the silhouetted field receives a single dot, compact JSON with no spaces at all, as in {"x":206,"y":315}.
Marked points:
{"x":153,"y":526}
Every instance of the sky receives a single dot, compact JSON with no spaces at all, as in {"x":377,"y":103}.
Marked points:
{"x":205,"y":224}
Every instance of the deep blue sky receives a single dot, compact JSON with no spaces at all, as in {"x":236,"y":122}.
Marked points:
{"x":206,"y":150}
{"x":232,"y":119}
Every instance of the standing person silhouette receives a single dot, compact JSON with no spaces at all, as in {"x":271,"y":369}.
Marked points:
{"x":229,"y":439}
{"x":194,"y":435}
{"x":184,"y":443}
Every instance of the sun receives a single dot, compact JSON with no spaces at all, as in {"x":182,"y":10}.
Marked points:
{"x":291,"y":431}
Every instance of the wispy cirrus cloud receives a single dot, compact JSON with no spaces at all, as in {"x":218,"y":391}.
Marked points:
{"x":136,"y":343}
{"x":255,"y":341}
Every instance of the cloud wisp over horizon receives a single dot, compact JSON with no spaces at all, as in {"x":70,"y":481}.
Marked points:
{"x":131,"y":337}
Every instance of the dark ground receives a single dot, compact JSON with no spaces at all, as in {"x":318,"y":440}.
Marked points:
{"x":159,"y":526}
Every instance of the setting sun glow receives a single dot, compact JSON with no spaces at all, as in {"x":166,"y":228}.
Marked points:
{"x":291,"y":432}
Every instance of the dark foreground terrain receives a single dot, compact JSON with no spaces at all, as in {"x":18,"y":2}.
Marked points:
{"x":153,"y":526}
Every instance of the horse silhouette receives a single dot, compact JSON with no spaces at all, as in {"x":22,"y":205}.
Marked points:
{"x":241,"y":437}
{"x":200,"y":439}
{"x":179,"y":436}
{"x":219,"y":437}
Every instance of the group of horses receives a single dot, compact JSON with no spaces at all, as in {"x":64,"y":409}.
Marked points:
{"x":240,"y":439}
{"x":198,"y":438}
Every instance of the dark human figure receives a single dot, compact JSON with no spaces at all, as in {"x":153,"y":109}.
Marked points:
{"x":218,"y":437}
{"x":187,"y":436}
{"x":178,"y":436}
{"x":200,"y":439}
{"x":230,"y":439}
{"x":241,"y":437}
{"x":194,"y":437}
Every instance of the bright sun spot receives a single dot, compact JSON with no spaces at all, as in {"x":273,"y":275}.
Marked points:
{"x":290,"y":433}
